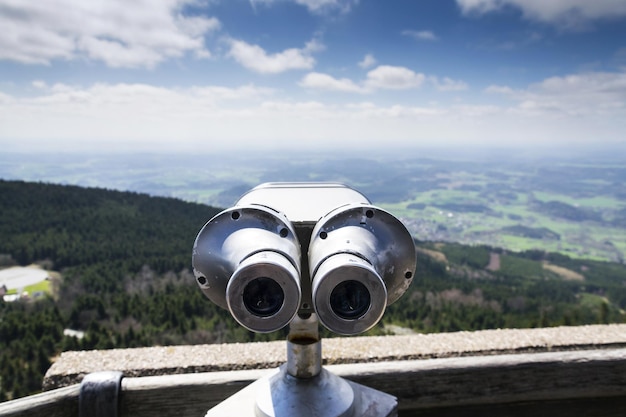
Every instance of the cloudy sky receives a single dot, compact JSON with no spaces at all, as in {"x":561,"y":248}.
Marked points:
{"x":202,"y":75}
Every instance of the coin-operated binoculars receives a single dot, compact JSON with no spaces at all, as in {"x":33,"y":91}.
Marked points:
{"x":298,"y":254}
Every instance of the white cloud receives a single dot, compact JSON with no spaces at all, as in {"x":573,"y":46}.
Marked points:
{"x":315,"y":6}
{"x":97,"y":117}
{"x":421,"y":35}
{"x":121,"y":34}
{"x":5,"y":99}
{"x":323,"y":5}
{"x":585,"y":95}
{"x":245,"y":92}
{"x":567,"y":12}
{"x":316,"y":80}
{"x":112,"y":100}
{"x":448,"y":84}
{"x":367,"y":61}
{"x":132,"y":115}
{"x":393,"y":78}
{"x":257,"y":59}
{"x":38,"y":84}
{"x":118,"y":55}
{"x":588,"y":107}
{"x":370,"y":110}
{"x":499,"y":89}
{"x":578,"y":95}
{"x":619,"y":57}
{"x":383,"y":77}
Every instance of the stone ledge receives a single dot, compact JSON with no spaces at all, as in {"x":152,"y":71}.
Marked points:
{"x":72,"y":366}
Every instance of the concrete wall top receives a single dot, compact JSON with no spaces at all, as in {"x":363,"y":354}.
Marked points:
{"x":70,"y":367}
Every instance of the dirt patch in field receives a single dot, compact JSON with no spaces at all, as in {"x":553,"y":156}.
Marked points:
{"x":566,"y":274}
{"x":438,"y":256}
{"x":494,"y":262}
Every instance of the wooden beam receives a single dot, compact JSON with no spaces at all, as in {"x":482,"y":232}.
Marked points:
{"x":62,"y":402}
{"x":453,"y":383}
{"x":588,"y":382}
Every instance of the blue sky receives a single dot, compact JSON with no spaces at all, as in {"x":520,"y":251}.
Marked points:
{"x":194,"y":75}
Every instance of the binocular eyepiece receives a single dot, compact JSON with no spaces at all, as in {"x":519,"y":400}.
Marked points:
{"x":248,"y":259}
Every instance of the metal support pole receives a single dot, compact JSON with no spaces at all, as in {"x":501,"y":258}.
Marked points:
{"x":304,"y":348}
{"x":302,"y":387}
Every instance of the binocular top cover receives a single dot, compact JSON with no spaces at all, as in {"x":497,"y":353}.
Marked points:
{"x":302,"y":248}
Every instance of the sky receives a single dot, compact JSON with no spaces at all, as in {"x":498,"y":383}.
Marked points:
{"x":208,"y":75}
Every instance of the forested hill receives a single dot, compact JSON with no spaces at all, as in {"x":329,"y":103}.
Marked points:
{"x":124,"y":261}
{"x":81,"y":226}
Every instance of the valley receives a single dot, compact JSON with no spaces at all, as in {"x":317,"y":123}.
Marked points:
{"x":573,"y":204}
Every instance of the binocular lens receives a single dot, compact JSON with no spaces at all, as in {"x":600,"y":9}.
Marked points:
{"x":350,"y":300}
{"x":263,"y":297}
{"x":263,"y":294}
{"x":348,"y":295}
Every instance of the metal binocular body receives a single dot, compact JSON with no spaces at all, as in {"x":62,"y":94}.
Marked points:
{"x":288,"y":249}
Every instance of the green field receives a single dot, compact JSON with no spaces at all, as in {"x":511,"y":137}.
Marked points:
{"x":40,"y":287}
{"x":451,"y":212}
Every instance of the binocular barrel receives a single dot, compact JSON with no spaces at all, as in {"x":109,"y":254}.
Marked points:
{"x":247,"y":260}
{"x":360,"y":259}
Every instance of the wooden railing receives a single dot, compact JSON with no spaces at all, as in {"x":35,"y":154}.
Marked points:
{"x":585,"y":378}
